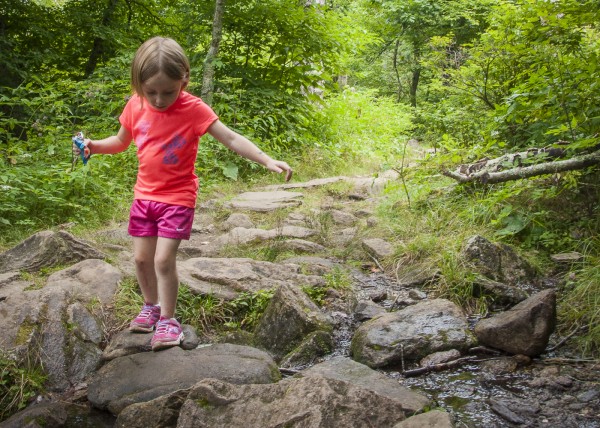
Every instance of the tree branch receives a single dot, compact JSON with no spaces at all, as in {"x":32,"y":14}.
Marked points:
{"x":484,"y":176}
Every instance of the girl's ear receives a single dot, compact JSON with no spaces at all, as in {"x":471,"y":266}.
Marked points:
{"x":186,"y":81}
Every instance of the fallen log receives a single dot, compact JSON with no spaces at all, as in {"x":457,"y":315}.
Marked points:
{"x":485,"y":176}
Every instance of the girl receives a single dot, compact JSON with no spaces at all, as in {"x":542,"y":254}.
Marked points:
{"x":166,"y":123}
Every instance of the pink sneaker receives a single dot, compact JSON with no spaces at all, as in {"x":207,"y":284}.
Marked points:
{"x":146,"y":320}
{"x":168,"y":333}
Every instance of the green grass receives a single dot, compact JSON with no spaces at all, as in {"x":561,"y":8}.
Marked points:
{"x":20,"y":381}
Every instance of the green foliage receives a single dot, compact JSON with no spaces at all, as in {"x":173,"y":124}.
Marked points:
{"x":530,"y":80}
{"x":247,"y":308}
{"x":20,"y":381}
{"x":580,"y":308}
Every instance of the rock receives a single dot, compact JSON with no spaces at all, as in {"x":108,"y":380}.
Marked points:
{"x":56,"y":319}
{"x":378,"y":248}
{"x":56,"y":414}
{"x":567,"y":258}
{"x":148,"y":375}
{"x":411,"y":333}
{"x":311,"y":265}
{"x":161,"y":412}
{"x":126,"y":343}
{"x":499,"y":262}
{"x":439,"y":358}
{"x":226,"y":278}
{"x":302,"y":246}
{"x":242,"y":236}
{"x":501,"y":294}
{"x":316,"y":344}
{"x":345,"y":369}
{"x":343,"y":218}
{"x":416,"y":274}
{"x":523,"y":329}
{"x":265,"y":201}
{"x":302,"y":402}
{"x":365,"y":310}
{"x":288,"y":319}
{"x":431,"y":419}
{"x":237,"y":220}
{"x":47,"y":249}
{"x":502,"y":410}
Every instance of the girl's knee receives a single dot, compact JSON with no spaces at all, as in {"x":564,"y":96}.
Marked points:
{"x":164,"y":265}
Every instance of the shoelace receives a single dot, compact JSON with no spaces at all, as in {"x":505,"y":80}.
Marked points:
{"x":165,"y":327}
{"x":146,"y":312}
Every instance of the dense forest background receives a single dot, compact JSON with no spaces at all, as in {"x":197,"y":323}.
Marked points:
{"x":336,"y":86}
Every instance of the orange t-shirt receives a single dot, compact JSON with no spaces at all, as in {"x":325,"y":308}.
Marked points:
{"x":167,"y":145}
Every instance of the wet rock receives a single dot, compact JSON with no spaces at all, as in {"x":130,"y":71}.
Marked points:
{"x":498,"y":261}
{"x":345,"y":369}
{"x":161,"y":412}
{"x":226,"y":278}
{"x":148,"y":375}
{"x":266,"y":201}
{"x":309,"y":402}
{"x":365,"y":310}
{"x":47,"y":249}
{"x":439,"y":358}
{"x":411,"y":333}
{"x":51,"y":414}
{"x":502,"y":410}
{"x":431,"y":419}
{"x":378,"y":248}
{"x":524,"y":329}
{"x":287,"y":320}
{"x":316,"y":344}
{"x":378,"y":296}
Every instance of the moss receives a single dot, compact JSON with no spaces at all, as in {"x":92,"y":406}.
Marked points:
{"x":205,"y":404}
{"x":25,"y":331}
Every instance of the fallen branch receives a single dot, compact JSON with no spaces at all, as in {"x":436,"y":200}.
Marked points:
{"x":484,"y":176}
{"x":438,"y":367}
{"x":564,"y":339}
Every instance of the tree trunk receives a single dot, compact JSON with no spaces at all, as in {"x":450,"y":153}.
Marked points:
{"x":414,"y":83}
{"x":208,"y":75}
{"x":99,"y":45}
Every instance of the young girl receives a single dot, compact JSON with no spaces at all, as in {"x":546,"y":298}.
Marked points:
{"x":166,"y":123}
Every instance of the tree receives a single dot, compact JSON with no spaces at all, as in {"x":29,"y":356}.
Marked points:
{"x":208,"y":75}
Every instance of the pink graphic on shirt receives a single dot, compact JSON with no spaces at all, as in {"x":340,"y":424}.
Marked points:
{"x":144,"y":129}
{"x":170,"y":157}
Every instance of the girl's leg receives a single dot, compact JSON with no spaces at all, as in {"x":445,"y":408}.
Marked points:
{"x":166,"y":274}
{"x":144,"y":249}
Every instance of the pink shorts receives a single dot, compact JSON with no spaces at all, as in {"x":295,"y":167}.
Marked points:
{"x":151,"y":218}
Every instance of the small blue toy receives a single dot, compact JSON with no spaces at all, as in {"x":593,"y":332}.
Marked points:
{"x":78,"y":141}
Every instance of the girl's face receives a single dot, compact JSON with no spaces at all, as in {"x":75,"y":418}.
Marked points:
{"x":161,"y":91}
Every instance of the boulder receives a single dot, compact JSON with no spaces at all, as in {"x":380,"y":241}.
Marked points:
{"x":378,"y":248}
{"x":148,"y":375}
{"x":431,"y":419}
{"x":523,"y":329}
{"x":301,"y":402}
{"x":345,"y":369}
{"x":288,"y":319}
{"x":47,"y":249}
{"x":226,"y":278}
{"x":411,"y":334}
{"x":498,"y":261}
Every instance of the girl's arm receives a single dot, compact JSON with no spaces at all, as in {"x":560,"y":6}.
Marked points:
{"x":108,"y":146}
{"x":245,"y":148}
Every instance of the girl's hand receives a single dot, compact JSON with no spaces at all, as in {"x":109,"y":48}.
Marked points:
{"x":86,"y":151}
{"x":279,"y":167}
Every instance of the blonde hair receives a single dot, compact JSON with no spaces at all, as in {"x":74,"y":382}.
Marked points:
{"x":156,"y":55}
